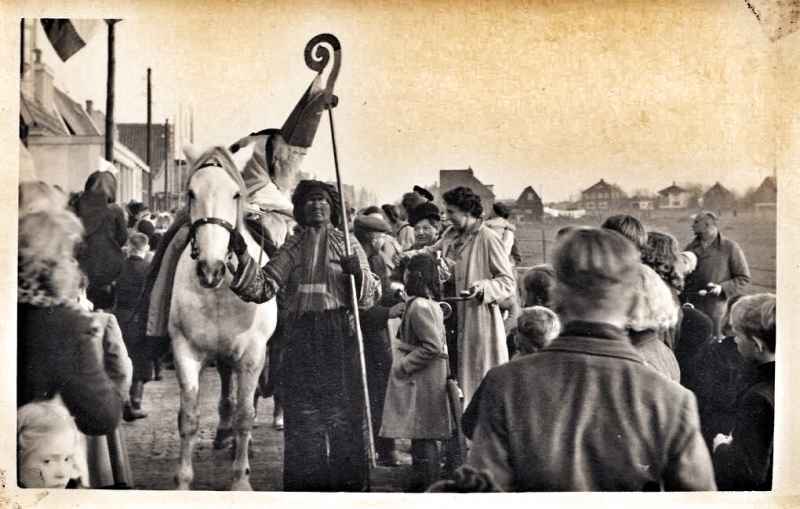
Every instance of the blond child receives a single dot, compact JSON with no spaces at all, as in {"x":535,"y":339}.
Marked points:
{"x":50,"y":449}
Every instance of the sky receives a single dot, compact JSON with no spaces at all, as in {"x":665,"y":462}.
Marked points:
{"x":551,"y":94}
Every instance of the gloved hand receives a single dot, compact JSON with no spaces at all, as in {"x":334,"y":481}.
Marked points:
{"x":351,"y":265}
{"x":237,"y":244}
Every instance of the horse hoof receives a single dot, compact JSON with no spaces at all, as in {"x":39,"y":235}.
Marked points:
{"x":278,"y":423}
{"x":241,"y":485}
{"x":182,"y":485}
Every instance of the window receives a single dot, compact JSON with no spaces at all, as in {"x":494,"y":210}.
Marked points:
{"x":602,"y":205}
{"x":530,"y":195}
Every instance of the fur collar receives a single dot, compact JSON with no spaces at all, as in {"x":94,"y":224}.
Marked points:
{"x":34,"y":287}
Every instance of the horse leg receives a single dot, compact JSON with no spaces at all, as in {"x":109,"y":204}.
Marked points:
{"x":248,"y":370}
{"x":188,"y":364}
{"x":224,"y":434}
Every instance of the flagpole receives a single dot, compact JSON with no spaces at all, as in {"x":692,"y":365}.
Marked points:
{"x":110,"y":93}
{"x":150,"y":202}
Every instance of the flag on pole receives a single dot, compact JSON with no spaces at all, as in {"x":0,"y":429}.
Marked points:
{"x":68,"y":36}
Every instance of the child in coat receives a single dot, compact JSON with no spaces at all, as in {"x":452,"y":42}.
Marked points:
{"x":107,"y":455}
{"x":416,"y":404}
{"x":130,"y":286}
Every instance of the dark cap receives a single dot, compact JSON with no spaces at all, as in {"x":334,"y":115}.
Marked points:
{"x":423,"y":192}
{"x":427,"y":210}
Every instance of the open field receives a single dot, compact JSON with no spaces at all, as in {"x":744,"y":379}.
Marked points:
{"x":756,"y":234}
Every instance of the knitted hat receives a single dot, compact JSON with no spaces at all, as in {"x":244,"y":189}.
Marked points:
{"x":426,"y":210}
{"x":304,"y":189}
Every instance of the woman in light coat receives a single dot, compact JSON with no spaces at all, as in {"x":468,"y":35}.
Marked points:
{"x":480,"y":266}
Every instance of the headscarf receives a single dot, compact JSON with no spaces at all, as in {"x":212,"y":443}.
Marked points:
{"x":99,"y":192}
{"x":304,"y":189}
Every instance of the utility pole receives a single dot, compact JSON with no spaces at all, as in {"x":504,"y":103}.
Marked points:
{"x":110,"y":93}
{"x":166,"y":164}
{"x":21,"y":46}
{"x":149,"y":148}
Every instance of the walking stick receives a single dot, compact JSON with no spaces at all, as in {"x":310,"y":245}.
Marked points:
{"x":322,"y":56}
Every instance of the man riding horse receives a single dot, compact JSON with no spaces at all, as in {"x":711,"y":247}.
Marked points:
{"x":269,"y":176}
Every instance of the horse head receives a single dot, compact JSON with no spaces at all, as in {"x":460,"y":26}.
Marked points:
{"x":215,"y":192}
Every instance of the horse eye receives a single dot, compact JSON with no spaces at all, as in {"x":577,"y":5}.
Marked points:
{"x":237,"y":196}
{"x":190,"y":194}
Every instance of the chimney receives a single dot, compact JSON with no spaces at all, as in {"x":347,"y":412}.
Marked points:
{"x":89,"y":108}
{"x":42,"y":82}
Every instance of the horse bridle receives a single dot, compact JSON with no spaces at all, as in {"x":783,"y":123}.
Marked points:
{"x":195,"y":252}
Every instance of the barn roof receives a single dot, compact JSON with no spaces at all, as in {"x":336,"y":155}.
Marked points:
{"x":603,"y":186}
{"x":673,"y":189}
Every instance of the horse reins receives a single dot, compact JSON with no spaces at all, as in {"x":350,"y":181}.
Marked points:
{"x":195,"y":252}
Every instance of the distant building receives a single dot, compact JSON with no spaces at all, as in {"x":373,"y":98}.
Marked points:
{"x":765,"y":198}
{"x":134,"y":135}
{"x":449,"y":179}
{"x":642,"y":203}
{"x":603,"y":197}
{"x":674,"y":197}
{"x":66,"y":141}
{"x":528,"y":206}
{"x":719,"y":198}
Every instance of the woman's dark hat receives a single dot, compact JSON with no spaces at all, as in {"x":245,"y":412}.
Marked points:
{"x":423,"y":192}
{"x":427,"y":210}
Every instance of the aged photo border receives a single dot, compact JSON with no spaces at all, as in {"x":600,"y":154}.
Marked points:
{"x":787,"y":451}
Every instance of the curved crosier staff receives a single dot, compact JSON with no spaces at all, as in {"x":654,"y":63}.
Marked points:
{"x":317,"y":56}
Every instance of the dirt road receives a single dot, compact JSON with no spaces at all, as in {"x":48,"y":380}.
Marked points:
{"x":154,"y":444}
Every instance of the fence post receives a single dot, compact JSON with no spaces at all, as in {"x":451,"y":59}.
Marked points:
{"x":544,"y":248}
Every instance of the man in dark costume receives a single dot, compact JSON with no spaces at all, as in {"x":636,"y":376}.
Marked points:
{"x":324,"y":447}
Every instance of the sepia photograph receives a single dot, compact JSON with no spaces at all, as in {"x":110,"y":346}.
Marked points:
{"x":400,"y":248}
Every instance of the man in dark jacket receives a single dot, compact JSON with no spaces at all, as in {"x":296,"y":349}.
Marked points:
{"x":721,"y":272}
{"x":377,"y":344}
{"x":586,"y":413}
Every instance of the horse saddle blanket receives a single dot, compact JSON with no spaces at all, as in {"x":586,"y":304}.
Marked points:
{"x":161,"y":279}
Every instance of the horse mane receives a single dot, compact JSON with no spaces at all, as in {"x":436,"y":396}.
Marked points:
{"x":220,"y":157}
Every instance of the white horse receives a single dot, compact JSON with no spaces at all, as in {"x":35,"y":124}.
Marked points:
{"x":207,"y":319}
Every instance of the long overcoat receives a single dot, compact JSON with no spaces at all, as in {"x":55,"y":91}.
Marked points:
{"x":480,"y":261}
{"x":416,"y":403}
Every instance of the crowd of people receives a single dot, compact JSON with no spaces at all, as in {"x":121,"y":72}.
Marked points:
{"x":624,"y":364}
{"x":83,"y":359}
